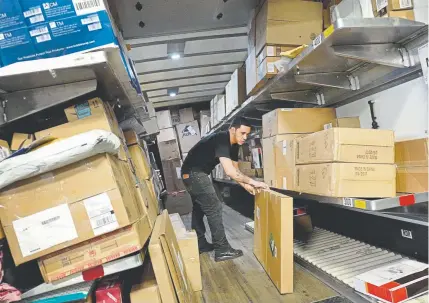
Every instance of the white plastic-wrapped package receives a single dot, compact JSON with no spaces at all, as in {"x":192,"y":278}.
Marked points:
{"x":57,"y":154}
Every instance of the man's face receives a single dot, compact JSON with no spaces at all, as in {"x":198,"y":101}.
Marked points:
{"x":241,"y":134}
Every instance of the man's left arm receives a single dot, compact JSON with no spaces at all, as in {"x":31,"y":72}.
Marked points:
{"x":247,"y":187}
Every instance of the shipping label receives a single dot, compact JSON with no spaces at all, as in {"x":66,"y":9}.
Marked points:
{"x":44,"y":229}
{"x":101,"y":214}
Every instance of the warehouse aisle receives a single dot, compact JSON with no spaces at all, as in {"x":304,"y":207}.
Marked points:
{"x":243,"y":280}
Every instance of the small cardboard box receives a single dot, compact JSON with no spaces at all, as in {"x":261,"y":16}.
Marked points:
{"x":166,"y":134}
{"x":347,"y":180}
{"x":273,"y":51}
{"x":349,"y":122}
{"x":74,"y":204}
{"x":346,"y":145}
{"x":381,"y":7}
{"x":236,"y":93}
{"x":188,"y":135}
{"x":396,"y":282}
{"x":251,"y":74}
{"x":273,"y":237}
{"x":412,"y":179}
{"x":83,"y":110}
{"x":94,"y":252}
{"x":164,"y":119}
{"x":20,"y":140}
{"x":186,"y":115}
{"x":267,"y":69}
{"x":109,"y":290}
{"x":279,"y":161}
{"x":169,"y":150}
{"x":405,"y":14}
{"x":146,"y":290}
{"x":412,"y":153}
{"x":295,"y":120}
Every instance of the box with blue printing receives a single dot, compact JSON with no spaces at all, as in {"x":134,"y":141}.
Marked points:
{"x":40,"y":11}
{"x":11,"y":16}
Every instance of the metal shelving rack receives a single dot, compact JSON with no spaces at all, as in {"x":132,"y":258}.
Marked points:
{"x":351,"y":59}
{"x":31,"y":86}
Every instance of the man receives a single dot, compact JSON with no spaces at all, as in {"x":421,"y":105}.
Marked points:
{"x":221,"y":147}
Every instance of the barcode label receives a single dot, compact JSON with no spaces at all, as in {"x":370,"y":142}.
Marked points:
{"x":348,"y":202}
{"x":317,"y":41}
{"x":101,"y":214}
{"x":37,"y":18}
{"x":85,"y":7}
{"x":108,"y":219}
{"x":46,"y":222}
{"x":380,"y":4}
{"x":405,"y":4}
{"x":94,"y":26}
{"x":32,"y":12}
{"x":39,"y":31}
{"x":90,"y":19}
{"x":43,"y":38}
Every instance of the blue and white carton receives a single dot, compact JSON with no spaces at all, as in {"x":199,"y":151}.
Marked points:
{"x":11,"y":16}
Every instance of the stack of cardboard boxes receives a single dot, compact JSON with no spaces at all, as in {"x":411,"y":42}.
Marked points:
{"x":411,"y":159}
{"x":279,"y":25}
{"x":87,"y":213}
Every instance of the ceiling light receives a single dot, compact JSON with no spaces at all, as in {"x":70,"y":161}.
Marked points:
{"x":176,"y":50}
{"x":175,"y":56}
{"x":172,"y":92}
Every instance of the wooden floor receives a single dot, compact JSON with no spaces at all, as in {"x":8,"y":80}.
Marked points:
{"x":243,"y":280}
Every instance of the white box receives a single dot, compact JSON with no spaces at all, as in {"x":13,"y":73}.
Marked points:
{"x":166,"y":134}
{"x":151,"y":126}
{"x":220,"y":107}
{"x":188,"y":134}
{"x":164,"y":119}
{"x":229,"y":97}
{"x":186,"y":115}
{"x":205,"y":122}
{"x":251,"y":72}
{"x":236,"y":90}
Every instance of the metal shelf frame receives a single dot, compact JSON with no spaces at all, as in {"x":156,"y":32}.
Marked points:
{"x":351,"y":59}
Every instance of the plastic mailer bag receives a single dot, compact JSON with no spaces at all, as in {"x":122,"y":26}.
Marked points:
{"x":57,"y":154}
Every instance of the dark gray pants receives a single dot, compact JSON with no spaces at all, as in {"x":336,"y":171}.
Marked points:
{"x":206,"y":202}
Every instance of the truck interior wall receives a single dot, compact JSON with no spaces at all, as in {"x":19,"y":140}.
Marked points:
{"x":403,"y":109}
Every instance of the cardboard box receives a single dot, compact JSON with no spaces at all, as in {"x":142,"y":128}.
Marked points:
{"x":12,"y":15}
{"x":381,"y":8}
{"x":405,"y":14}
{"x":236,"y":91}
{"x":353,"y":145}
{"x":242,"y":165}
{"x":141,"y":162}
{"x":412,"y":153}
{"x":267,"y":69}
{"x":74,"y":203}
{"x":395,"y":282}
{"x":175,"y":117}
{"x":172,"y":175}
{"x":166,"y":134}
{"x":412,"y":179}
{"x":273,"y":237}
{"x":164,"y":119}
{"x":131,"y":137}
{"x":273,"y":51}
{"x":188,"y":135}
{"x":220,"y":107}
{"x":295,"y":120}
{"x":109,"y":290}
{"x":95,"y":252}
{"x":148,"y":201}
{"x":159,"y":262}
{"x":288,"y":23}
{"x":89,"y":108}
{"x":251,"y":73}
{"x":186,"y":115}
{"x":279,"y":161}
{"x":21,"y":140}
{"x":146,"y":290}
{"x":169,"y":150}
{"x":350,"y":122}
{"x":205,"y":119}
{"x":347,"y":180}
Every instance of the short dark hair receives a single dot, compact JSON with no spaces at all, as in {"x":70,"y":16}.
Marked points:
{"x":239,"y":121}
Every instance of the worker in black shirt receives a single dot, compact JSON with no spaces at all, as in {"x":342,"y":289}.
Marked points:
{"x":221,"y":147}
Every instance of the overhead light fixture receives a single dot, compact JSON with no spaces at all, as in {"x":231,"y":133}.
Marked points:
{"x":172,"y":92}
{"x":176,"y":50}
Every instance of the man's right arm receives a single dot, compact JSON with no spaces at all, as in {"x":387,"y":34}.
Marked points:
{"x":235,"y":174}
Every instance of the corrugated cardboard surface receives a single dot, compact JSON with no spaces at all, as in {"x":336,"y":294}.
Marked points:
{"x":273,"y":244}
{"x":20,"y":140}
{"x":346,"y":145}
{"x":279,"y":165}
{"x":100,"y":176}
{"x":349,"y":122}
{"x":171,"y":170}
{"x":146,"y":290}
{"x":189,"y":134}
{"x":83,"y":110}
{"x":392,"y":5}
{"x":412,"y":179}
{"x":166,"y":134}
{"x":148,"y":202}
{"x":347,"y":180}
{"x":141,"y":162}
{"x":131,"y":137}
{"x":186,"y":115}
{"x":94,"y":252}
{"x":169,"y":150}
{"x":159,"y":262}
{"x":412,"y":152}
{"x":295,"y":121}
{"x":405,"y":14}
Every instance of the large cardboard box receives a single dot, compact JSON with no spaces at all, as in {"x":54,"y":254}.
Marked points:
{"x":74,"y":203}
{"x":282,"y":22}
{"x":186,"y":115}
{"x":94,"y":252}
{"x":412,"y":179}
{"x":169,"y":150}
{"x":273,"y":237}
{"x":166,"y":134}
{"x":164,"y":119}
{"x":236,"y":90}
{"x":172,"y":175}
{"x":295,"y":120}
{"x":279,"y":161}
{"x":159,"y":262}
{"x":146,"y":290}
{"x":348,"y":122}
{"x":141,"y":162}
{"x":412,"y":152}
{"x":251,"y":73}
{"x":347,"y":145}
{"x":347,"y":180}
{"x":188,"y":135}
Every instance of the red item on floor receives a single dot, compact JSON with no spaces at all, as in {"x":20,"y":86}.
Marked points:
{"x":109,"y":290}
{"x":8,"y":293}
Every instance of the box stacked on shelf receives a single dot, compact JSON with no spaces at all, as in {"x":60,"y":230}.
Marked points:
{"x":346,"y":162}
{"x":205,"y":122}
{"x":393,"y":8}
{"x":280,"y":127}
{"x":235,"y":90}
{"x":411,"y":159}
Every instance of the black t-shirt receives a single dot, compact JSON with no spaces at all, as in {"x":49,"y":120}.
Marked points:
{"x":204,"y":156}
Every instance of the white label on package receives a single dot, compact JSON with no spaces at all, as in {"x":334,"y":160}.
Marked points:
{"x":85,"y":7}
{"x":317,"y":41}
{"x":94,"y":26}
{"x":284,"y":147}
{"x":101,"y":214}
{"x":284,"y":183}
{"x":405,"y":4}
{"x":348,"y":202}
{"x":33,"y":11}
{"x":271,"y":67}
{"x":39,"y":31}
{"x":381,"y":4}
{"x":90,"y":19}
{"x":36,"y":19}
{"x":270,"y":51}
{"x":44,"y":229}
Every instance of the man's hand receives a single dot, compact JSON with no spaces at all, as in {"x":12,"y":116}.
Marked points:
{"x":261,"y":185}
{"x":249,"y":188}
